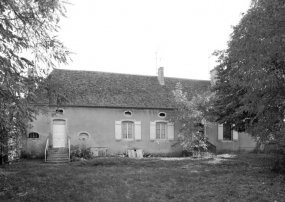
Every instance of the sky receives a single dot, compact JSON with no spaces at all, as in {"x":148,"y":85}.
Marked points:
{"x":139,"y":36}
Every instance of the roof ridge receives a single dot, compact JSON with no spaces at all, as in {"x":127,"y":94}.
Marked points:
{"x":83,"y":87}
{"x":77,"y":70}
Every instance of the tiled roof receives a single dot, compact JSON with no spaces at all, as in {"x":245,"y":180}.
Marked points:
{"x":121,"y":90}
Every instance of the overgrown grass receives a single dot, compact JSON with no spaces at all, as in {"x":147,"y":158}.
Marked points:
{"x":153,"y":179}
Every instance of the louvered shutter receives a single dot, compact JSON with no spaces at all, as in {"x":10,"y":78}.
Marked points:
{"x":220,"y":132}
{"x":205,"y":131}
{"x":235,"y":135}
{"x":118,"y":130}
{"x":152,"y":130}
{"x":138,"y":135}
{"x":170,"y":131}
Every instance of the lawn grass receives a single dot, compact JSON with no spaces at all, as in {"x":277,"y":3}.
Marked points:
{"x":152,"y":179}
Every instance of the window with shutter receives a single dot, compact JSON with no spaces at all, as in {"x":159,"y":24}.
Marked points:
{"x":235,"y":135}
{"x":127,"y":130}
{"x":170,"y":127}
{"x":220,"y":132}
{"x":161,"y":130}
{"x":118,"y":130}
{"x":226,"y":132}
{"x":152,"y":130}
{"x":138,"y":135}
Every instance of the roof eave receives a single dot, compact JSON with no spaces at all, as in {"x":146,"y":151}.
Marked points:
{"x":110,"y":107}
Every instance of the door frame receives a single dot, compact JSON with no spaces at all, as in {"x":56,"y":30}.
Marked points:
{"x":51,"y":126}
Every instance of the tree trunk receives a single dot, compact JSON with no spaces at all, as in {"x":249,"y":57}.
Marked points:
{"x":3,"y":147}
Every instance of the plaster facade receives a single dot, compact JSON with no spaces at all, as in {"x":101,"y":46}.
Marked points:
{"x":99,"y":124}
{"x":244,"y":143}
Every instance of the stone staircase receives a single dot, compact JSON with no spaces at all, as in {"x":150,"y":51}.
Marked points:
{"x":58,"y":155}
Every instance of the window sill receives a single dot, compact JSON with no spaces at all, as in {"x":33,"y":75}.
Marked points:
{"x":128,"y":140}
{"x":162,"y":140}
{"x":228,"y":140}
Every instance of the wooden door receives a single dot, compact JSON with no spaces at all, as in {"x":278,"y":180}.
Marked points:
{"x":59,"y":133}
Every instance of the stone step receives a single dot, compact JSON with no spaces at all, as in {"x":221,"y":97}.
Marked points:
{"x":53,"y":153}
{"x":58,"y":152}
{"x":57,"y":157}
{"x":58,"y":160}
{"x":59,"y":149}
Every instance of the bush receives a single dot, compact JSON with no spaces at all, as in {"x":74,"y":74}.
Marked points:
{"x":277,"y":148}
{"x":3,"y":158}
{"x":278,"y":164}
{"x":81,"y":152}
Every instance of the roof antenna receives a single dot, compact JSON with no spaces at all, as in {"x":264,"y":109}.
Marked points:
{"x":156,"y":62}
{"x":209,"y":65}
{"x":156,"y":71}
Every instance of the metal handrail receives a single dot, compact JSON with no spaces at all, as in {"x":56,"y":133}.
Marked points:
{"x":69,"y":148}
{"x":47,"y":144}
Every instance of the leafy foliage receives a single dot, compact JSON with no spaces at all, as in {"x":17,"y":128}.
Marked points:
{"x":250,"y":90}
{"x":81,"y":152}
{"x":193,"y":116}
{"x":277,"y":148}
{"x":29,"y":48}
{"x":28,"y":43}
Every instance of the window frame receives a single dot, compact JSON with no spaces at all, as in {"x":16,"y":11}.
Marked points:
{"x":233,"y":134}
{"x":128,"y":111}
{"x":38,"y":135}
{"x":163,"y":117}
{"x":127,"y":122}
{"x":228,"y":132}
{"x":60,"y":113}
{"x":170,"y":130}
{"x":159,"y":136}
{"x":83,"y":132}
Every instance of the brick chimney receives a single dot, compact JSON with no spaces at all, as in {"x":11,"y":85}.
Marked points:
{"x":160,"y":76}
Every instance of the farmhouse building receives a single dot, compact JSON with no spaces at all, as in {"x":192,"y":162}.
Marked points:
{"x":117,"y":112}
